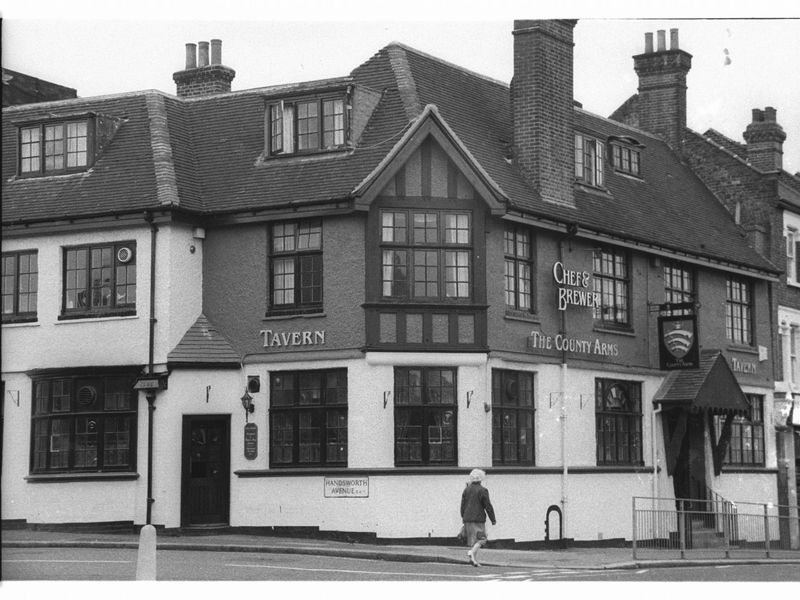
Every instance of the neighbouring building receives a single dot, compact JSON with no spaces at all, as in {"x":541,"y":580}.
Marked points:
{"x":749,"y":180}
{"x":19,"y":88}
{"x":319,"y":305}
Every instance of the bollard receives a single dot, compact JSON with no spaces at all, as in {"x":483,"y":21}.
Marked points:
{"x":146,"y":559}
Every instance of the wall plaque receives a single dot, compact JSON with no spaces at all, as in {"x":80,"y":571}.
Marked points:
{"x":347,"y":487}
{"x":250,"y":441}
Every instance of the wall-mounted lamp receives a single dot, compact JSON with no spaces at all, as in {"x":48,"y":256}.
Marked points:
{"x":247,"y":404}
{"x":386,"y":395}
{"x":253,"y":384}
{"x":469,"y":397}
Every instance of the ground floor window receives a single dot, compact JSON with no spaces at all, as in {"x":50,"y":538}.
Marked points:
{"x":425,"y":416}
{"x":84,"y":422}
{"x":746,"y":446}
{"x":618,"y":413}
{"x":308,"y":418}
{"x":512,"y":417}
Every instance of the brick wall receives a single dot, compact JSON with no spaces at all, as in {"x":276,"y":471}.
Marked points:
{"x":202,"y":81}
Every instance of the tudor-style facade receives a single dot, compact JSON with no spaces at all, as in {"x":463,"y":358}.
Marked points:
{"x":333,"y":324}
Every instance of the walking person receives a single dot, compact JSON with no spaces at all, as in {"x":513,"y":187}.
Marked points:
{"x":475,"y":506}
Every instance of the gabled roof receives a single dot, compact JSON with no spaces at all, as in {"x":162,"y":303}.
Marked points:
{"x":205,"y":155}
{"x":203,"y":345}
{"x":712,"y":386}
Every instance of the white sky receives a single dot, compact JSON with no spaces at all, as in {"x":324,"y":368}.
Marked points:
{"x":98,"y":50}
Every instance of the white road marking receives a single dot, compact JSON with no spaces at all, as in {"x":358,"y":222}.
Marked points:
{"x":30,"y":560}
{"x":351,"y":571}
{"x":642,"y":571}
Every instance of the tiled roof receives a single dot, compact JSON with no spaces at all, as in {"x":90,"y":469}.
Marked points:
{"x":711,"y":386}
{"x":203,"y":344}
{"x":215,"y":147}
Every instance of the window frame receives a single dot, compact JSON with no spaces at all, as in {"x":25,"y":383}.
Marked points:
{"x":792,"y":256}
{"x":319,"y":412}
{"x":739,"y":311}
{"x":589,"y":160}
{"x":626,"y":159}
{"x":16,"y":315}
{"x":679,"y":285}
{"x":632,"y":419}
{"x":427,"y":257}
{"x":749,"y":428}
{"x":600,"y":279}
{"x":424,"y":412}
{"x":62,"y":142}
{"x":308,"y":261}
{"x":114,"y":308}
{"x":79,"y":407}
{"x":501,"y":381}
{"x":286,"y":128}
{"x":515,"y":262}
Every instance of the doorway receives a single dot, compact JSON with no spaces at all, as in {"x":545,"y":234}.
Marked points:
{"x":205,"y":472}
{"x":690,"y":468}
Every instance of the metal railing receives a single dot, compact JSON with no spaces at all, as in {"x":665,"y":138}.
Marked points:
{"x":712,"y":528}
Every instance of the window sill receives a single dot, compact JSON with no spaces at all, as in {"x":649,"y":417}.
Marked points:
{"x":279,"y":315}
{"x":743,"y":349}
{"x":20,"y":322}
{"x":592,"y":189}
{"x":626,"y":331}
{"x":437,"y":471}
{"x":68,"y":477}
{"x":749,"y":469}
{"x":521,"y":315}
{"x":97,"y":316}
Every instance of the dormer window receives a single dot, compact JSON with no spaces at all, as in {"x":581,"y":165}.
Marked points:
{"x":306,"y":125}
{"x":55,"y":147}
{"x":588,"y":160}
{"x":626,"y":156}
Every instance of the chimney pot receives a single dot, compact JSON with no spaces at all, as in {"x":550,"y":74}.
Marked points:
{"x":191,"y":56}
{"x":216,"y":52}
{"x":758,"y":115}
{"x":648,"y":43}
{"x":673,"y":39}
{"x":662,"y":40}
{"x":203,"y":55}
{"x":770,"y":114}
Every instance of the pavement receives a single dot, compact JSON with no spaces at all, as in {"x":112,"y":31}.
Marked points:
{"x":569,"y":558}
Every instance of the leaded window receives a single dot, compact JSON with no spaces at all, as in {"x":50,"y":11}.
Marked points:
{"x":739,"y":311}
{"x":618,"y":415}
{"x":512,"y":418}
{"x":84,"y":423}
{"x":296,"y":266}
{"x":308,"y":418}
{"x":425,"y":411}
{"x":518,"y":251}
{"x":678,"y":286}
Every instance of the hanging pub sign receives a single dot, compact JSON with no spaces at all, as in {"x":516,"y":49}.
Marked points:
{"x":250,"y":441}
{"x":678,"y":344}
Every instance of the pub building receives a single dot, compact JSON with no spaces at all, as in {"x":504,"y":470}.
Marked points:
{"x":317,"y":306}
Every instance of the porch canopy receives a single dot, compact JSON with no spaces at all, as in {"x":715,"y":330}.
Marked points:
{"x":712,"y":387}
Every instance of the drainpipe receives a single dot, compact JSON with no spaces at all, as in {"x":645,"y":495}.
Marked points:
{"x":571,"y":231}
{"x":151,"y":395}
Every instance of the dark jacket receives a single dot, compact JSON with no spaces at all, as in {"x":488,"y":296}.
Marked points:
{"x":475,"y":504}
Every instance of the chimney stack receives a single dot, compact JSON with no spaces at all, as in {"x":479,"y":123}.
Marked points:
{"x":201,"y":76}
{"x":542,"y":106}
{"x":765,"y":137}
{"x":662,"y":87}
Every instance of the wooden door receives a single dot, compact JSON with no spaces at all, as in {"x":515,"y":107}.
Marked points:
{"x":205,"y":489}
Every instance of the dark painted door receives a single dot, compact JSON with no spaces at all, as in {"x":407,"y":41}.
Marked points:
{"x":205,"y":490}
{"x":690,"y":470}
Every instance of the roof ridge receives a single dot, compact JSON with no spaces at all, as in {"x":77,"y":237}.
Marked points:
{"x":160,"y":142}
{"x":406,"y":85}
{"x":408,"y":48}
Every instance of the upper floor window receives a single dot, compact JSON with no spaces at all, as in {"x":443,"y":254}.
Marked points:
{"x":426,"y":254}
{"x":518,"y":267}
{"x":308,"y":418}
{"x":626,"y":158}
{"x":739,"y":311}
{"x":20,"y":285}
{"x":100,"y":279}
{"x":618,"y":411}
{"x":611,"y":281}
{"x":589,"y":160}
{"x":678,"y":286}
{"x":425,"y":416}
{"x":296,"y":266}
{"x":84,"y":423}
{"x":53,"y":148}
{"x":306,"y":125}
{"x":512,"y":418}
{"x":792,"y":255}
{"x":746,"y":446}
